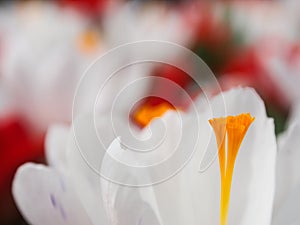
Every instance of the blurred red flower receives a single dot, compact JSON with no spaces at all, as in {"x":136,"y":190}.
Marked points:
{"x":87,"y":7}
{"x":272,"y":67}
{"x":17,"y":146}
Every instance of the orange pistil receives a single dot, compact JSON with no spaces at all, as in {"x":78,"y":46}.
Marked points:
{"x":234,"y":128}
{"x":89,"y":41}
{"x":147,"y":112}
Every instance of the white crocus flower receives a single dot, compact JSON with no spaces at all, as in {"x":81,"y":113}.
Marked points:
{"x":70,"y":192}
{"x":192,"y":197}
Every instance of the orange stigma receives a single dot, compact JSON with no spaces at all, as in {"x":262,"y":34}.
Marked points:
{"x":88,"y":41}
{"x":229,"y":131}
{"x":147,"y":112}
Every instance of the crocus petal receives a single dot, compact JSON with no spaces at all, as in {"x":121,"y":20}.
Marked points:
{"x":295,"y":113}
{"x":84,"y":156}
{"x":124,"y":204}
{"x":46,"y":197}
{"x":56,"y":146}
{"x":288,"y":212}
{"x":288,"y":178}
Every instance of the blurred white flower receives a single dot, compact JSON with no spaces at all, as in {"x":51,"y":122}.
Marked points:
{"x":282,"y":60}
{"x":255,"y":20}
{"x":46,"y":49}
{"x":151,"y":21}
{"x":295,"y":112}
{"x":71,"y":192}
{"x":41,"y":61}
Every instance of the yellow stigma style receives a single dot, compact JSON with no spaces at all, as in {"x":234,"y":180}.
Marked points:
{"x":229,"y":132}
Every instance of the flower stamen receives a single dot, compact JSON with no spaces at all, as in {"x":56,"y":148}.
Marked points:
{"x":233,"y":130}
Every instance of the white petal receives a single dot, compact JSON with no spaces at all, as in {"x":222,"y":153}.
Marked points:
{"x":125,"y":205}
{"x":254,"y":178}
{"x":56,"y":146}
{"x":288,"y":212}
{"x":295,"y":113}
{"x":46,"y":197}
{"x":288,"y":167}
{"x":84,"y":157}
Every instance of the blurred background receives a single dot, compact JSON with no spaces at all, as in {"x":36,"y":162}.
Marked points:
{"x":45,"y":46}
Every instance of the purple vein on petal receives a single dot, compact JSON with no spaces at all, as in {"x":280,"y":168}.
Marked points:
{"x":53,"y":200}
{"x":140,"y":221}
{"x":62,"y":212}
{"x":62,"y":184}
